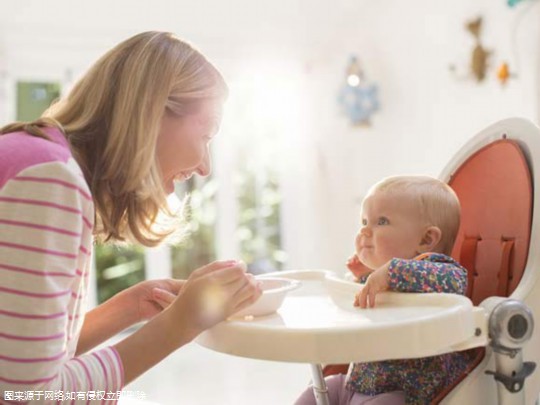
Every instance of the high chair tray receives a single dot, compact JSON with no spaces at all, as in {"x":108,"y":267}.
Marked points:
{"x":318,"y":323}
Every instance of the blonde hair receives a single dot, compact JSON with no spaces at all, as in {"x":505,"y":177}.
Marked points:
{"x":438,"y":205}
{"x":112,"y":118}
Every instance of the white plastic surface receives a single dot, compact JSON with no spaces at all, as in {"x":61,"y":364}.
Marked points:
{"x":318,"y":323}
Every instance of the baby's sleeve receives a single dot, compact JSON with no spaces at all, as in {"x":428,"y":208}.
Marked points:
{"x":426,"y":276}
{"x":46,"y":219}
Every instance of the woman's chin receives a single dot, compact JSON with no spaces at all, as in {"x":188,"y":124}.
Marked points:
{"x":169,"y":187}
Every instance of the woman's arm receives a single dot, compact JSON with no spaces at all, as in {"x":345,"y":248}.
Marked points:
{"x":210,"y":295}
{"x":158,"y":338}
{"x":135,"y":304}
{"x":45,"y":239}
{"x":103,"y":322}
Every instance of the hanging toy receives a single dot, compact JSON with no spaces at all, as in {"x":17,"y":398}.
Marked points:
{"x":503,"y":73}
{"x":357,"y":98}
{"x":480,"y":55}
{"x":513,"y":3}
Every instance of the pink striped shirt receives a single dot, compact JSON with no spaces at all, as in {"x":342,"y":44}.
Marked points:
{"x":46,"y":220}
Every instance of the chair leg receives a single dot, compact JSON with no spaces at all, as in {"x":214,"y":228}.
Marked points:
{"x":320,"y":390}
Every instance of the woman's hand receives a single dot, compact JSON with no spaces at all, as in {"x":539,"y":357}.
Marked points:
{"x":375,"y":283}
{"x":148,"y":298}
{"x":213,"y":293}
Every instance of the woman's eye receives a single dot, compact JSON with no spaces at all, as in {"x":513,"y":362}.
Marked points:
{"x":383,"y":221}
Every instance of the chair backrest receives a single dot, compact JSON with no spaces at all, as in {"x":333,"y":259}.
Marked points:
{"x":495,"y":190}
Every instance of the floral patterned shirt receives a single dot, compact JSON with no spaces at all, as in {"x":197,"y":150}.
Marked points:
{"x":421,"y":379}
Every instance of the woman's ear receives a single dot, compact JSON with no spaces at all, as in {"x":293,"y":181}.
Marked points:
{"x":431,"y":238}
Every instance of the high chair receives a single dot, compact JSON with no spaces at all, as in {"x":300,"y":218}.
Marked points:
{"x":495,"y":176}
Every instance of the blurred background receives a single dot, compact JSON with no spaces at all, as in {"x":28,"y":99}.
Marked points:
{"x":326,"y":98}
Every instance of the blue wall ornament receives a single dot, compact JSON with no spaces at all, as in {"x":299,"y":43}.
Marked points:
{"x":513,"y":3}
{"x":358,"y":99}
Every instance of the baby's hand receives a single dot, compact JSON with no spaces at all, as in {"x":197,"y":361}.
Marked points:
{"x":357,"y":268}
{"x":375,"y":283}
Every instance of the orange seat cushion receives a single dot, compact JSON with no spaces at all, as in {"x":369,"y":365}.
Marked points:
{"x":495,"y":190}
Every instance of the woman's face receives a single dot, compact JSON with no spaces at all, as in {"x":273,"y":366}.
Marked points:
{"x":183,"y":143}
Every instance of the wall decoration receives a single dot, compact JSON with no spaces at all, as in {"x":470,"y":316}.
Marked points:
{"x":479,"y":57}
{"x":505,"y":70}
{"x":358,"y":98}
{"x":513,"y":3}
{"x":503,"y":73}
{"x":478,"y":64}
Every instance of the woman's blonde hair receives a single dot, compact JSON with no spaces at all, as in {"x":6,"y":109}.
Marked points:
{"x":438,"y":205}
{"x":112,"y":118}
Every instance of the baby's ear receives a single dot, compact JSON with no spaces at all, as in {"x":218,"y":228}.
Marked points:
{"x":431,"y":238}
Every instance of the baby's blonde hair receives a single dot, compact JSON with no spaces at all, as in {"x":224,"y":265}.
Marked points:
{"x":112,"y":119}
{"x":438,"y":205}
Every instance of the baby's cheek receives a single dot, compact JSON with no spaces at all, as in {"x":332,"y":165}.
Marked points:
{"x":357,"y":244}
{"x":385,"y":252}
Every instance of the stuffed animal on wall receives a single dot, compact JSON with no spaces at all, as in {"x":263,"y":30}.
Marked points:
{"x":480,"y":56}
{"x":478,"y":62}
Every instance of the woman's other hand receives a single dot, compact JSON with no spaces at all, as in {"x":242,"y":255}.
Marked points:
{"x":213,"y":293}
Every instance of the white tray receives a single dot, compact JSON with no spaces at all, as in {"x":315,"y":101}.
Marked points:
{"x":318,"y":323}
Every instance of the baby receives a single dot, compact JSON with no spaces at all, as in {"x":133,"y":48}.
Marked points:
{"x":408,"y":228}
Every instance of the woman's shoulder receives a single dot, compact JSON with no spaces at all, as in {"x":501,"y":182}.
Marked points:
{"x":20,"y":151}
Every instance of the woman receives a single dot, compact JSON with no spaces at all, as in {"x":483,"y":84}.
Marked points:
{"x":99,"y":164}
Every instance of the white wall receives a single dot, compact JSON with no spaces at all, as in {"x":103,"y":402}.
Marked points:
{"x":426,"y":113}
{"x":405,"y":47}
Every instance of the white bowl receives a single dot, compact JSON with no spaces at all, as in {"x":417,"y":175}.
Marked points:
{"x":274,"y":290}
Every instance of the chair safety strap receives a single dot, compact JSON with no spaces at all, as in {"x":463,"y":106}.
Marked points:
{"x":468,"y":260}
{"x":505,"y":272}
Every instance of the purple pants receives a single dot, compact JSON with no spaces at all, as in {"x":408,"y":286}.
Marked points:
{"x":339,"y":395}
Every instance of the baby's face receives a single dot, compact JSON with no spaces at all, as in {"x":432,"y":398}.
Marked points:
{"x":391,"y":227}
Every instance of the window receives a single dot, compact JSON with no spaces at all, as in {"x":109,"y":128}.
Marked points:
{"x":117,"y":268}
{"x":198,"y":248}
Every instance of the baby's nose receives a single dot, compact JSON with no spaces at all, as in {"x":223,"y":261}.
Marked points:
{"x":365,"y":231}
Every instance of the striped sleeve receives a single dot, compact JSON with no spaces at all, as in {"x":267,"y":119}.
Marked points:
{"x":46,"y":220}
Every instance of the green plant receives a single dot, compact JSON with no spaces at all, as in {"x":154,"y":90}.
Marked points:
{"x":117,"y":267}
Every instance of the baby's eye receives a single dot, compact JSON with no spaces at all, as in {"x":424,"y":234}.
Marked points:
{"x":383,"y":221}
{"x":364,"y":222}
